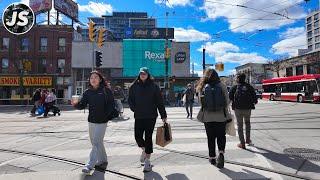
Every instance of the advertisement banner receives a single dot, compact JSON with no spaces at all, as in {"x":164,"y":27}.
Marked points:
{"x":27,"y":81}
{"x":67,"y":7}
{"x":149,"y":33}
{"x":144,"y":53}
{"x":39,"y":6}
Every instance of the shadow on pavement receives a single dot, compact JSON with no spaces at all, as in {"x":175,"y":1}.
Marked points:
{"x":152,"y":176}
{"x":288,"y":161}
{"x":242,"y":175}
{"x":97,"y":175}
{"x":177,"y":176}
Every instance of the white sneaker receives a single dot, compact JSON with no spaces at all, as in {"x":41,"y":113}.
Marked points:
{"x":147,"y":166}
{"x":86,"y":170}
{"x":142,"y":157}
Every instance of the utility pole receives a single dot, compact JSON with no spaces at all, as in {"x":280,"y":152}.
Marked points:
{"x":203,"y":59}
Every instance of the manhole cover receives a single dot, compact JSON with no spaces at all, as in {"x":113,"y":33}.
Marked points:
{"x":309,"y":154}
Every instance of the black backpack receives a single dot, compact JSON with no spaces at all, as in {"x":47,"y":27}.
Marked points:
{"x":213,"y":98}
{"x":242,"y":97}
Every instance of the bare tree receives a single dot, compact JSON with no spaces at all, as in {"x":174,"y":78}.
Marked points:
{"x":277,"y":64}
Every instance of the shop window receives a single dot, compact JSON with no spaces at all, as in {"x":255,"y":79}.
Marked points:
{"x":61,"y":65}
{"x":24,"y":44}
{"x":62,"y":45}
{"x":43,"y":44}
{"x":299,"y":70}
{"x":4,"y":65}
{"x":5,"y":43}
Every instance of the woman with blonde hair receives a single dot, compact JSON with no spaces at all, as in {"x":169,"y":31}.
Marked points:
{"x":214,"y":113}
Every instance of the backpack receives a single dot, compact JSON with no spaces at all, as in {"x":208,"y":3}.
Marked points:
{"x":242,"y":97}
{"x":213,"y":98}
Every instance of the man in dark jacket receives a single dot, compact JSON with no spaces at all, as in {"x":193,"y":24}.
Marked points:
{"x":145,"y":100}
{"x":36,"y":100}
{"x":243,"y":99}
{"x":189,"y":93}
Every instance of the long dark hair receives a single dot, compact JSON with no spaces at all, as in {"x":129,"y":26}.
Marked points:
{"x":102,"y":80}
{"x":210,"y":76}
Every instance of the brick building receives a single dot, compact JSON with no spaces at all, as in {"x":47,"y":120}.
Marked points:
{"x":42,"y":57}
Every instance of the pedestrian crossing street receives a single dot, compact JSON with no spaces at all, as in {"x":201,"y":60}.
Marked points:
{"x":188,"y":137}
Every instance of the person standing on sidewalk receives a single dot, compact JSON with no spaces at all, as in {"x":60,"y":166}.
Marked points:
{"x":119,"y":97}
{"x":214,"y":113}
{"x":243,"y":99}
{"x":144,"y":100}
{"x":101,"y":103}
{"x":36,"y":100}
{"x":189,"y":93}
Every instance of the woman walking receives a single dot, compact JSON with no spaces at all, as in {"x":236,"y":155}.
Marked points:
{"x":144,"y":100}
{"x":215,"y":116}
{"x":101,"y":103}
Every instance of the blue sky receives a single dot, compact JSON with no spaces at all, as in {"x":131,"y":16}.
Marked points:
{"x":233,"y":31}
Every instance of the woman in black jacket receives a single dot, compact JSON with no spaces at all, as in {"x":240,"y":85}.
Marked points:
{"x":101,"y":103}
{"x":144,"y":100}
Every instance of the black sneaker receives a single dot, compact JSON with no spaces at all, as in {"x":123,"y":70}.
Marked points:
{"x":220,"y":163}
{"x":212,"y":161}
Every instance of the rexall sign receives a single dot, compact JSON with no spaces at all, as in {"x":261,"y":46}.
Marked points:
{"x":144,"y":53}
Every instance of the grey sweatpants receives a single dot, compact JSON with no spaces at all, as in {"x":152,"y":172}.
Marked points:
{"x":98,"y":153}
{"x":243,"y":115}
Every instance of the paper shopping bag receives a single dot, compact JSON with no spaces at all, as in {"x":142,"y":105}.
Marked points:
{"x":164,"y":135}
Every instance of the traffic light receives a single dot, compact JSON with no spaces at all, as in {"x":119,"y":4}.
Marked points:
{"x":98,"y":58}
{"x":219,"y":67}
{"x":168,"y":53}
{"x":92,"y":31}
{"x":101,"y":37}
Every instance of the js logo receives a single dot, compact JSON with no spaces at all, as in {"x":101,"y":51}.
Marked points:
{"x":18,"y":18}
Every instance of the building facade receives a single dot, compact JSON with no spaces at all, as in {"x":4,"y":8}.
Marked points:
{"x":40,"y":58}
{"x":255,"y":73}
{"x":313,"y":31}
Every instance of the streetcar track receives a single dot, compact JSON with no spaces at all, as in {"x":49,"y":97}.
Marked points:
{"x":295,"y":175}
{"x":67,"y":161}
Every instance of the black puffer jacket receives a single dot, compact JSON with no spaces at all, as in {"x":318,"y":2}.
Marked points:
{"x":249,"y":98}
{"x":101,"y":103}
{"x":145,"y":99}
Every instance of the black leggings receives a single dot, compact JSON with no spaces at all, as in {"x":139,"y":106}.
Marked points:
{"x":145,"y":126}
{"x":216,"y":130}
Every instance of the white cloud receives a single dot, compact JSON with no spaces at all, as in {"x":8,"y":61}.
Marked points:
{"x":172,"y":3}
{"x":295,"y":38}
{"x":95,"y":8}
{"x":227,"y":52}
{"x":25,"y":2}
{"x":199,"y":72}
{"x":219,"y":48}
{"x":241,"y":19}
{"x":232,"y":71}
{"x":191,"y":35}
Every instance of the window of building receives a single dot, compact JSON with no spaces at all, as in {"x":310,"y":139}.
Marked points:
{"x":43,"y":66}
{"x":309,"y":27}
{"x":5,"y":43}
{"x":316,"y":24}
{"x":310,"y":34}
{"x":299,"y":70}
{"x":316,"y":17}
{"x":24,"y":44}
{"x":289,"y":71}
{"x":4,"y":65}
{"x":317,"y":45}
{"x":317,"y":39}
{"x":62,"y":45}
{"x":61,"y":65}
{"x":310,"y":40}
{"x":43,"y":44}
{"x":308,"y":20}
{"x":310,"y":47}
{"x":316,"y":31}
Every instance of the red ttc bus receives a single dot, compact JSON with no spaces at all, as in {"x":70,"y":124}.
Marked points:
{"x":294,"y":88}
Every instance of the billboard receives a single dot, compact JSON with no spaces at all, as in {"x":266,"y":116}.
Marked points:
{"x":39,"y":6}
{"x":144,"y":53}
{"x":149,"y":33}
{"x":67,"y":7}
